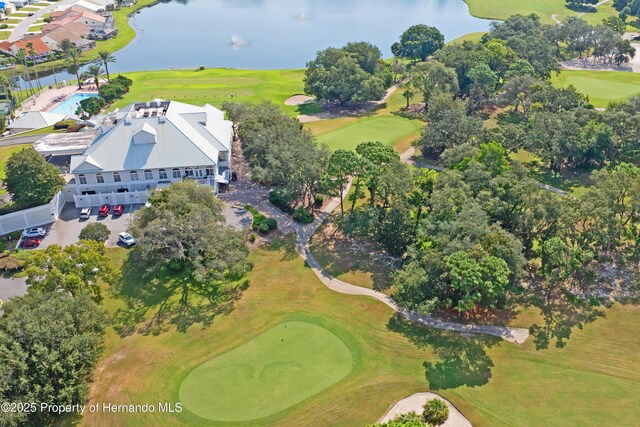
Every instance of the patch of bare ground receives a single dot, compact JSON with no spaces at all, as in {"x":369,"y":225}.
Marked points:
{"x":356,"y":261}
{"x":298,"y":100}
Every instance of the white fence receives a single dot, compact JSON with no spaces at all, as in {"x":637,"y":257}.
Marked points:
{"x":33,"y":217}
{"x":128,"y":198}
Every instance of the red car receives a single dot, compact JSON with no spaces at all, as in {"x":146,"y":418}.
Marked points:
{"x":117,"y":210}
{"x":104,"y":210}
{"x":30,"y":243}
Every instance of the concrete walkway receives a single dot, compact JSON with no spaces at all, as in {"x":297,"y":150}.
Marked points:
{"x":258,"y":198}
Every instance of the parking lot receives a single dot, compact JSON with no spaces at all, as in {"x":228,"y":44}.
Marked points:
{"x":66,"y":230}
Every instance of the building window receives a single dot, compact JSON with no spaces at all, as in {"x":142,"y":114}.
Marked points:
{"x":116,"y":177}
{"x":82,"y":179}
{"x":100,"y":178}
{"x":162,"y":174}
{"x":210,"y":171}
{"x":176,"y":173}
{"x":188,"y":172}
{"x":148,"y":175}
{"x":134,"y":175}
{"x":222,"y":157}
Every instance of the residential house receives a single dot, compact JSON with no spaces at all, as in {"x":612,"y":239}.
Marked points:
{"x":150,"y":145}
{"x":37,"y":52}
{"x":54,"y":37}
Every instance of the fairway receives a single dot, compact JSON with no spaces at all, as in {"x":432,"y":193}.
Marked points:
{"x":281,"y":367}
{"x":601,"y":87}
{"x":215,"y":86}
{"x":502,"y":9}
{"x":388,"y":129}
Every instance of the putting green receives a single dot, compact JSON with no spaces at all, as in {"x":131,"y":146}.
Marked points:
{"x":284,"y":366}
{"x":388,"y":129}
{"x":603,"y":89}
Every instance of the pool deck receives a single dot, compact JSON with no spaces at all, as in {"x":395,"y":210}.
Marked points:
{"x":46,"y":100}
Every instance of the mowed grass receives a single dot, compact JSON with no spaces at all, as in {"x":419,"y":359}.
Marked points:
{"x":283,"y":366}
{"x":385,"y":125}
{"x":601,"y":87}
{"x":502,"y":9}
{"x":593,"y":380}
{"x":215,"y":86}
{"x":5,"y":153}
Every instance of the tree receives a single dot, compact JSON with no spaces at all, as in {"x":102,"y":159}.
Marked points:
{"x":72,"y":56}
{"x":367,"y":55}
{"x":90,"y":106}
{"x":562,"y":263}
{"x":94,"y":72}
{"x":419,"y":42}
{"x":436,"y":412}
{"x":49,"y":344}
{"x":615,"y":23}
{"x":476,"y":282}
{"x":95,"y":231}
{"x":411,"y":419}
{"x":341,"y":167}
{"x":448,"y":126}
{"x":336,"y":75}
{"x":378,"y":156}
{"x":184,"y":231}
{"x":7,"y":88}
{"x":76,"y":269}
{"x":434,"y":77}
{"x":106,"y":58}
{"x":582,"y":2}
{"x":30,"y":179}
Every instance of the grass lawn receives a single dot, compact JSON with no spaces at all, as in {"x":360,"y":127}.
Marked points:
{"x":593,"y":380}
{"x":215,"y":86}
{"x":474,"y":37}
{"x":383,"y":125}
{"x":502,"y":9}
{"x":283,"y":366}
{"x":5,"y":153}
{"x":575,"y":182}
{"x":602,"y":87}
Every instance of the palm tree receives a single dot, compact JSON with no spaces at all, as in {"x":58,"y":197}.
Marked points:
{"x":22,"y":56}
{"x":106,"y":57}
{"x":32,"y":54}
{"x":95,"y":71}
{"x":72,"y":54}
{"x":7,"y":88}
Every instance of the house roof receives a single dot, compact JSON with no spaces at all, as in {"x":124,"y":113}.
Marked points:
{"x":155,"y":135}
{"x":90,"y":15}
{"x":38,"y":46}
{"x":36,"y":120}
{"x":61,"y":33}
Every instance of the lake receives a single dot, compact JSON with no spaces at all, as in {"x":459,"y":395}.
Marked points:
{"x":276,"y":34}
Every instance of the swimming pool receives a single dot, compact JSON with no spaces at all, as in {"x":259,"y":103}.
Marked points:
{"x":70,"y":105}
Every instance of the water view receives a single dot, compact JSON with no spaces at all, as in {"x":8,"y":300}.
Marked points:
{"x":274,"y":34}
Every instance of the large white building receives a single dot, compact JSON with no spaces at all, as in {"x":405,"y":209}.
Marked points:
{"x":150,"y":145}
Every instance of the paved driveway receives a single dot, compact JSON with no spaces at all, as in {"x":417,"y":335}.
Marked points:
{"x":66,"y":230}
{"x":10,"y":288}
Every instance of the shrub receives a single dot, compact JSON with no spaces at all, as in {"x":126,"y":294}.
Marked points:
{"x":303,"y":216}
{"x":123,"y":81}
{"x":95,"y":231}
{"x":271,"y":223}
{"x":435,"y":412}
{"x":318,"y":201}
{"x":63,"y":124}
{"x":263,"y":228}
{"x":281,"y":199}
{"x":252,"y":238}
{"x":75,"y":127}
{"x":90,"y":106}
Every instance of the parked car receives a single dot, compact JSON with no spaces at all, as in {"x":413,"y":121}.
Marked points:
{"x":126,"y":239}
{"x":85,"y":213}
{"x":31,"y":13}
{"x":118,"y":209}
{"x":104,"y":210}
{"x":34,"y":232}
{"x":30,"y":242}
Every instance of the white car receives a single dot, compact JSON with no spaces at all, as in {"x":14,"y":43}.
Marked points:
{"x":126,"y":239}
{"x":31,"y":233}
{"x":85,"y":213}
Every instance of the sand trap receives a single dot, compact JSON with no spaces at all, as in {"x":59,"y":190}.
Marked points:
{"x":416,"y":403}
{"x":298,"y":100}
